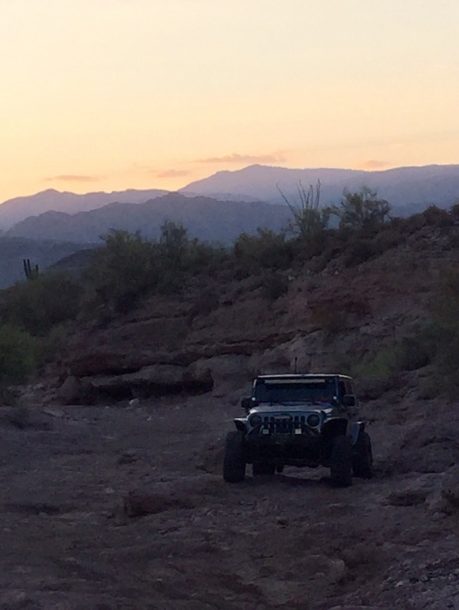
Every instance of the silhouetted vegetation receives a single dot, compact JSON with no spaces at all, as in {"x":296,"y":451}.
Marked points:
{"x":18,"y":357}
{"x":361,"y":211}
{"x":37,"y":306}
{"x":265,"y":250}
{"x":128,"y":268}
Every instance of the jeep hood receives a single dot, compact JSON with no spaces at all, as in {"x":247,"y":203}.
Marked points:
{"x":293,"y":407}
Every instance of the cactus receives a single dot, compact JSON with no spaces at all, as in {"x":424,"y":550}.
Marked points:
{"x":31,"y":272}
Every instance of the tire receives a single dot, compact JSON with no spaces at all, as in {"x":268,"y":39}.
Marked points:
{"x":234,"y":460}
{"x":341,"y":462}
{"x":263,"y":468}
{"x":362,"y":459}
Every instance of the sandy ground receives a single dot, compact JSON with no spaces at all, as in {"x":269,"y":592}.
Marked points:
{"x":289,"y":541}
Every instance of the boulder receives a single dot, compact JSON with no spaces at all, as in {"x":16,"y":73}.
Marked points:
{"x":137,"y":504}
{"x":225,"y":371}
{"x":156,"y":379}
{"x":75,"y":391}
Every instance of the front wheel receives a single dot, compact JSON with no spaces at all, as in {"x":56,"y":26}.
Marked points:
{"x":362,"y":459}
{"x":234,"y":459}
{"x":341,"y":462}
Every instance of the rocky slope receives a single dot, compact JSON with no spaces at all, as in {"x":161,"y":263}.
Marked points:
{"x":120,"y":504}
{"x":220,"y":335}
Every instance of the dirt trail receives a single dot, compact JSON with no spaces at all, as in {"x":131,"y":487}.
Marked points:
{"x":290,"y":541}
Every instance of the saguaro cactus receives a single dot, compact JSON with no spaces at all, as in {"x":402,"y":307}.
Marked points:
{"x":31,"y":272}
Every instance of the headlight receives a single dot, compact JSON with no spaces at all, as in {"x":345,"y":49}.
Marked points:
{"x":313,"y":420}
{"x":255,"y":420}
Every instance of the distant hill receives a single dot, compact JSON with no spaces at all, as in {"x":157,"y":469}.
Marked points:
{"x":19,"y":208}
{"x":44,"y":253}
{"x":408,"y":189}
{"x":205,"y":218}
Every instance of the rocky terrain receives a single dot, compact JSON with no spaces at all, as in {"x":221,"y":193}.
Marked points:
{"x":111,"y":487}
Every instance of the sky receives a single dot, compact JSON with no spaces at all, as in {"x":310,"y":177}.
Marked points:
{"x":114,"y":94}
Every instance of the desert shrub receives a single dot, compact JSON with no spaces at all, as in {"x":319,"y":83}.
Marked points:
{"x":453,"y":241}
{"x":359,"y":251}
{"x":413,"y":353}
{"x":454,"y":212}
{"x":361,"y":211}
{"x":205,"y":257}
{"x":48,"y":347}
{"x":17,"y":355}
{"x":129,"y":267}
{"x":265,"y":250}
{"x":274,"y":285}
{"x":330,"y":318}
{"x":437,"y":217}
{"x":443,"y":333}
{"x":389,"y":236}
{"x":41,"y":303}
{"x":124,"y":270}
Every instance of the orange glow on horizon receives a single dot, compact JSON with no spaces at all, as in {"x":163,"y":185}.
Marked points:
{"x":110,"y":95}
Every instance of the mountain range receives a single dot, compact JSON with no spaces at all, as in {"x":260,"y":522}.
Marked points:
{"x":50,"y":225}
{"x":204,"y":217}
{"x":408,"y":189}
{"x":19,"y":208}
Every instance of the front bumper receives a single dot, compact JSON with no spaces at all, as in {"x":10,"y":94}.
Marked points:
{"x":285,"y":449}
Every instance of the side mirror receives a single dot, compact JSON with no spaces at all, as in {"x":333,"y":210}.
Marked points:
{"x":349,"y":400}
{"x":246,"y":404}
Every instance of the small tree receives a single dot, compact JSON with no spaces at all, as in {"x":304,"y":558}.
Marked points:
{"x":123,"y":270}
{"x":362,"y":210}
{"x":174,"y":243}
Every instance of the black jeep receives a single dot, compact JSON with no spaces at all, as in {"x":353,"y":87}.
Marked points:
{"x":299,"y":420}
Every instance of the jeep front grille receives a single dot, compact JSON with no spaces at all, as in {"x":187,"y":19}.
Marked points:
{"x":284,"y":425}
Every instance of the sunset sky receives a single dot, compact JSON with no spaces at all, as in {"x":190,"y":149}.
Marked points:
{"x":113,"y":94}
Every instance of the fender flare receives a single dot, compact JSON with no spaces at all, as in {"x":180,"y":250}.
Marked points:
{"x":356,"y":428}
{"x":241,"y":424}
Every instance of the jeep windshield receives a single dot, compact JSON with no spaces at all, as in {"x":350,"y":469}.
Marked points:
{"x":275,"y":391}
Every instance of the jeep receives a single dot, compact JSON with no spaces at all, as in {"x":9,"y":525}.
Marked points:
{"x":299,"y":420}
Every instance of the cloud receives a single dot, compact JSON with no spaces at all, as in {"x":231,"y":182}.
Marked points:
{"x":72,"y":178}
{"x":170,"y":173}
{"x":375,"y":164}
{"x":238,"y":158}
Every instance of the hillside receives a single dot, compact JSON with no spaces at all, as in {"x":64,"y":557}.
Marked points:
{"x":42,"y":253}
{"x":125,"y":429}
{"x":15,"y":210}
{"x":409,"y":189}
{"x":205,"y":218}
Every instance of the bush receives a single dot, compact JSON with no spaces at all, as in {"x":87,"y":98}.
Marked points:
{"x":274,"y":285}
{"x":265,"y":250}
{"x":330,"y":318}
{"x":359,"y":251}
{"x":361,"y":211}
{"x":17,"y":355}
{"x":438,"y":217}
{"x":129,"y":267}
{"x":41,"y":303}
{"x":124,"y":270}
